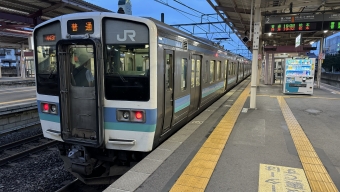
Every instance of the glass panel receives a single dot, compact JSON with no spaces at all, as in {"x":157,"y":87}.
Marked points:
{"x":192,"y":72}
{"x":184,"y":74}
{"x":82,"y":66}
{"x":198,"y":70}
{"x":127,"y":72}
{"x":206,"y":69}
{"x":168,"y":76}
{"x":229,"y":69}
{"x":218,"y":71}
{"x":212,"y":71}
{"x":47,"y":60}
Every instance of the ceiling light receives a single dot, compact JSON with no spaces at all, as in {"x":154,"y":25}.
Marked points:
{"x":325,"y":31}
{"x":311,"y":42}
{"x":269,"y":34}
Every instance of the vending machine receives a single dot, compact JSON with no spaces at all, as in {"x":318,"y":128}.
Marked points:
{"x":299,"y":76}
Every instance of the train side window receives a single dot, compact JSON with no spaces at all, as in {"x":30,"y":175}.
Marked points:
{"x":198,"y":72}
{"x":218,"y":71}
{"x":168,"y":71}
{"x":192,"y":72}
{"x":222,"y":70}
{"x":229,"y":68}
{"x":206,"y":69}
{"x":212,"y":71}
{"x":184,"y":74}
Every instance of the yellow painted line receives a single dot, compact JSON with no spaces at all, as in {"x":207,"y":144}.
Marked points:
{"x":318,"y":178}
{"x":18,"y":101}
{"x":275,"y":178}
{"x":198,"y":173}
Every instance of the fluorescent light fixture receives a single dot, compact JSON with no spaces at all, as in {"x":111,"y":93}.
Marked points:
{"x":270,"y":34}
{"x":311,"y":42}
{"x":325,"y":31}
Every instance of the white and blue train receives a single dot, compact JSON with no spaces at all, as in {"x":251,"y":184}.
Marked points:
{"x":112,"y":87}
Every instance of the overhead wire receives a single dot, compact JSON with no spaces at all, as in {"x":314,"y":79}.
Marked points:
{"x":184,"y":12}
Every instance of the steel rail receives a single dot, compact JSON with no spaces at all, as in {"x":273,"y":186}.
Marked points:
{"x":27,"y":152}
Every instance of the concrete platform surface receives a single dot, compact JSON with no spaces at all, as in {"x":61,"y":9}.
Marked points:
{"x":260,"y":140}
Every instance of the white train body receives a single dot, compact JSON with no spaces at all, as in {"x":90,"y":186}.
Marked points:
{"x":112,"y":85}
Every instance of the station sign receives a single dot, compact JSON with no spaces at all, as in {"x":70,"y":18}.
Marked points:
{"x":317,"y":22}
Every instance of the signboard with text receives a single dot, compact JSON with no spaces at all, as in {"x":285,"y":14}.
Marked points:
{"x":317,"y":22}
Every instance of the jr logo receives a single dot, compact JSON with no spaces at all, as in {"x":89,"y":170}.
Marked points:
{"x":130,"y":33}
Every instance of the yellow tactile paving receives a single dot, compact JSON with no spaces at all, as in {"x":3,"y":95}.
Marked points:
{"x":317,"y":176}
{"x":197,"y":174}
{"x":278,"y":178}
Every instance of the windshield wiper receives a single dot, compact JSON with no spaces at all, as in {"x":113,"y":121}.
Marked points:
{"x":120,"y":76}
{"x":51,"y":73}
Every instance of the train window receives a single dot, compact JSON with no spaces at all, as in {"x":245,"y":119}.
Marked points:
{"x":206,"y":69}
{"x":218,"y":71}
{"x":168,"y":71}
{"x":212,"y":71}
{"x":222,"y":71}
{"x":184,"y":74}
{"x":45,"y":40}
{"x":82,"y":66}
{"x":192,"y":72}
{"x":229,"y":68}
{"x":198,"y":72}
{"x":226,"y":69}
{"x":127,"y":72}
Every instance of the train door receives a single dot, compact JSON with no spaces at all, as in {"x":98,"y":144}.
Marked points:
{"x":168,"y":89}
{"x":195,"y":88}
{"x":81,"y":114}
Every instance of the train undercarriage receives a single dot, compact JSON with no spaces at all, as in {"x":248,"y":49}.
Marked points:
{"x":97,"y":166}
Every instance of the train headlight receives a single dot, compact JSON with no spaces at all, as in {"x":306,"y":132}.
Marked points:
{"x":123,"y":115}
{"x":126,"y":115}
{"x":53,"y":108}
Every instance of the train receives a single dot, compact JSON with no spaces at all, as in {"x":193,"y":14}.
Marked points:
{"x":112,"y":87}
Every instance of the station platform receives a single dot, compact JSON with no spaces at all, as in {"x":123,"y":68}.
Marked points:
{"x":289,"y":143}
{"x":16,"y":82}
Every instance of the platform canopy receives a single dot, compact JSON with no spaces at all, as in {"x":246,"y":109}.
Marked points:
{"x":19,"y":17}
{"x":238,"y":14}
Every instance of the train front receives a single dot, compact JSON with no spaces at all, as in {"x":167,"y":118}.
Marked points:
{"x":96,"y":89}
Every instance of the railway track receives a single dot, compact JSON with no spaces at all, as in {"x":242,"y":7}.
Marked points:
{"x":27,"y":152}
{"x":78,"y":186}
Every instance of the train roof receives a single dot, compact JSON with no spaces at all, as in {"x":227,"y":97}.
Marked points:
{"x":167,"y":28}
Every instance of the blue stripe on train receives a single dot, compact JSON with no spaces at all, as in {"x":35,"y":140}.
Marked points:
{"x":211,"y":89}
{"x":49,"y":117}
{"x":125,"y":126}
{"x":182,"y":103}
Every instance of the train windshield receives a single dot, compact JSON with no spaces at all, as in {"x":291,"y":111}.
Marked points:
{"x":127,"y":72}
{"x":46,"y":38}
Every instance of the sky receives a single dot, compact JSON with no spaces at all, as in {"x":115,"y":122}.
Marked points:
{"x":152,"y":8}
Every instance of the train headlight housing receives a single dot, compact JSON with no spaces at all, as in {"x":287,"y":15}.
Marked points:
{"x":50,"y":108}
{"x":53,"y":108}
{"x":127,"y":115}
{"x":123,"y":115}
